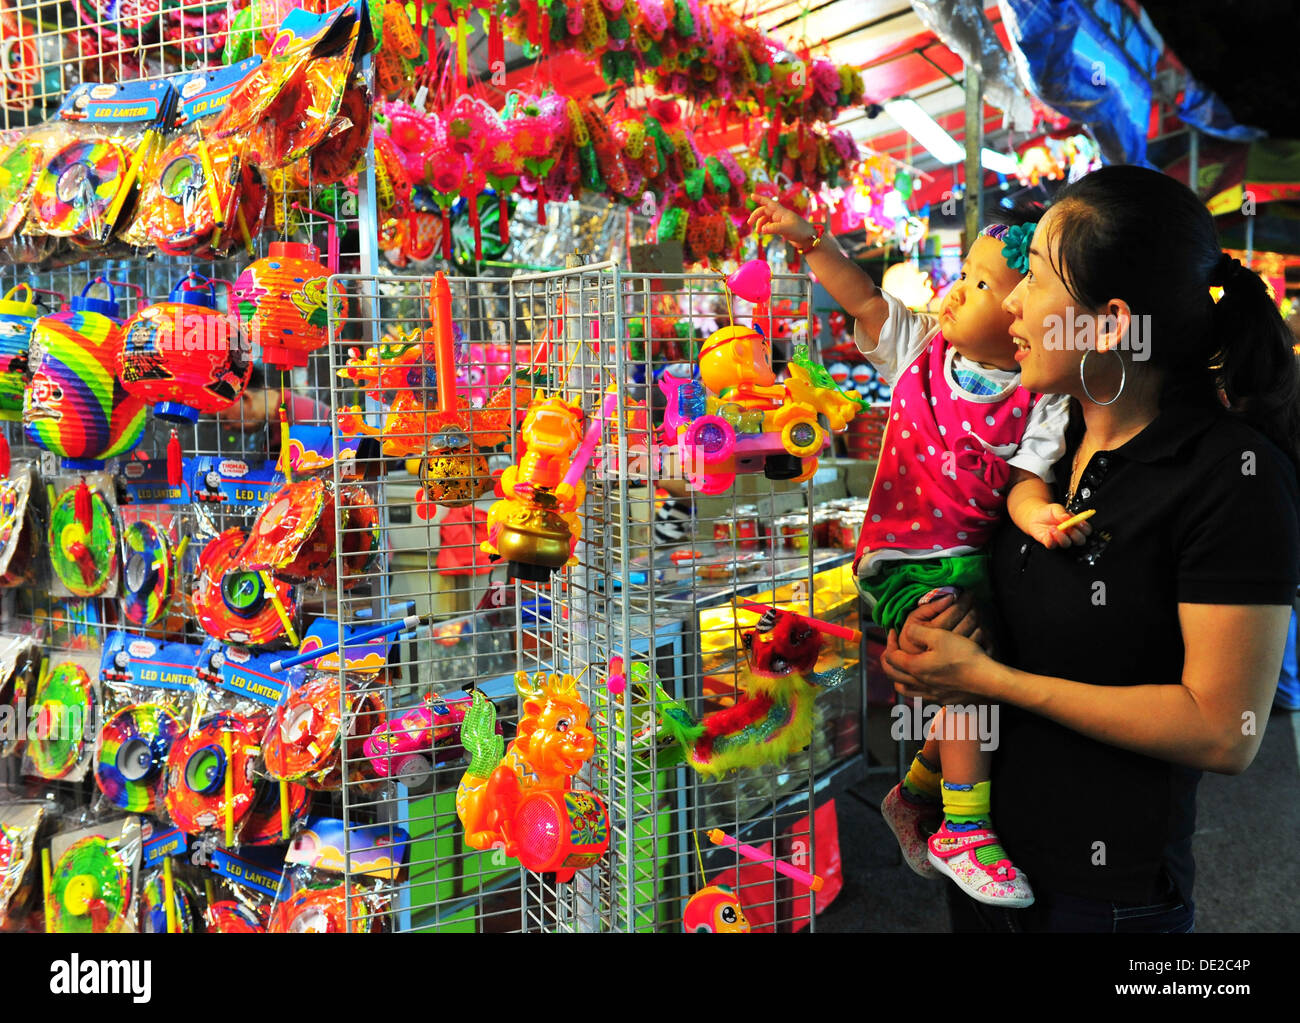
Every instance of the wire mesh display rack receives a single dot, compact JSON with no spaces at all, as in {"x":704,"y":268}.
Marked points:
{"x":47,"y":49}
{"x":577,"y":333}
{"x":574,"y":333}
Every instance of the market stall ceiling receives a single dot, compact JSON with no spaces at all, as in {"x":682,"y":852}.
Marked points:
{"x":898,"y":57}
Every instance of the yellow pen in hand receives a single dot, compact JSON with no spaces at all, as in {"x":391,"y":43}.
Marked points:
{"x":1070,"y":523}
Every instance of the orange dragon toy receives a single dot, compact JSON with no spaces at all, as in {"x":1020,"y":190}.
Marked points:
{"x":522,"y":802}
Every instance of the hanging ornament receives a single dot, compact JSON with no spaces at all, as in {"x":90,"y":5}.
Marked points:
{"x":184,"y":355}
{"x":75,"y":405}
{"x":284,"y":303}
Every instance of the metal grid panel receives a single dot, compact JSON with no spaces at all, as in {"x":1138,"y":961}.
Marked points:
{"x":49,"y":46}
{"x":46,"y":49}
{"x":624,"y":596}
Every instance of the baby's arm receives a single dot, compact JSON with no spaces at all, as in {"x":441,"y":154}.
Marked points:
{"x":843,"y":279}
{"x":1030,"y":505}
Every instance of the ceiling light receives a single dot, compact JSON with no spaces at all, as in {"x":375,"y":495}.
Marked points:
{"x":922,"y":127}
{"x":998,"y":163}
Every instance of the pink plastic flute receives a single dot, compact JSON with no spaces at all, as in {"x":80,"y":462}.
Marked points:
{"x":755,"y":856}
{"x":589,"y":441}
{"x":444,"y":358}
{"x":843,"y":631}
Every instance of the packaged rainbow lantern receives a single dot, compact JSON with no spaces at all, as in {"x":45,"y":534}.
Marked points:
{"x":75,"y":406}
{"x":282,"y":300}
{"x":185,"y":355}
{"x":18,"y":315}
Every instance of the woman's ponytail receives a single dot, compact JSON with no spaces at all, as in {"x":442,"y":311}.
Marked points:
{"x":1255,"y":361}
{"x":1136,"y":234}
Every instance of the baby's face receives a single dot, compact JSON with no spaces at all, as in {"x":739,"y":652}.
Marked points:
{"x":972,"y":317}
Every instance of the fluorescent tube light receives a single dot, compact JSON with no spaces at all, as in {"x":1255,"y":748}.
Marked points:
{"x":922,"y":127}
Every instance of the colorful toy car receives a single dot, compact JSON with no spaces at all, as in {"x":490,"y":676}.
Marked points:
{"x":407,"y":747}
{"x":737,"y":419}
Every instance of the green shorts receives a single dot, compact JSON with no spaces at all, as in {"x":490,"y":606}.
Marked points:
{"x":897,"y":586}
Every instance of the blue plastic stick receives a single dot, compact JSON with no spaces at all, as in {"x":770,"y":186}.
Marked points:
{"x":409,"y":622}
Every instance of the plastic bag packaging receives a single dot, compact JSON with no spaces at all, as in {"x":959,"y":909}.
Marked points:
{"x":199,"y":197}
{"x":85,"y":187}
{"x":20,"y":823}
{"x":20,"y":665}
{"x":94,"y":878}
{"x":21,"y":531}
{"x":186,"y":913}
{"x":64,"y":713}
{"x":285,"y":109}
{"x":23,"y":154}
{"x":83,"y":536}
{"x":216,"y":782}
{"x":234,"y":909}
{"x":313,"y":896}
{"x":234,"y":603}
{"x":305,"y":740}
{"x":241,"y":890}
{"x":153,"y":580}
{"x":148,"y":694}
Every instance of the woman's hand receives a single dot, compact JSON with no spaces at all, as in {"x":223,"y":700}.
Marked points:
{"x":945,"y":667}
{"x":770,"y":217}
{"x":956,"y":614}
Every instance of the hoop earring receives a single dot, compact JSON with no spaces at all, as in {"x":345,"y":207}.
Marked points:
{"x":1123,"y":376}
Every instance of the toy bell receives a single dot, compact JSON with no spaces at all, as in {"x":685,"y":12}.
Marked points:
{"x":75,"y":406}
{"x":184,"y":355}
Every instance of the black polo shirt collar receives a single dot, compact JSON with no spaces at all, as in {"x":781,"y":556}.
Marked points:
{"x":1178,"y":423}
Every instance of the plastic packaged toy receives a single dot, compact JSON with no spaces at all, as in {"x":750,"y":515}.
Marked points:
{"x":287,"y":106}
{"x":63,"y":707}
{"x":82,"y":538}
{"x":85,"y":185}
{"x":313,"y":896}
{"x":93,"y":881}
{"x":200,"y":196}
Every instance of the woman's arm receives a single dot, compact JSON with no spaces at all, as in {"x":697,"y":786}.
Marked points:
{"x":1213,"y":721}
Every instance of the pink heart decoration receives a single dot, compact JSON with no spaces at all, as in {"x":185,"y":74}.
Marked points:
{"x":752,"y":281}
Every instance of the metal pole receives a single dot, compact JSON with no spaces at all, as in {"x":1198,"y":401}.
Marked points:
{"x":1194,"y":162}
{"x":974,"y":143}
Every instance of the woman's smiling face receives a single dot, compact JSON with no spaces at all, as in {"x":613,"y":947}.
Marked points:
{"x":1043,"y":319}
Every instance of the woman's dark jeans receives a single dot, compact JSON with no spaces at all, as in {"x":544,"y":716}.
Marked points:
{"x":1070,"y":914}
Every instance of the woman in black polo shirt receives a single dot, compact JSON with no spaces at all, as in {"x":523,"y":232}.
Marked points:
{"x":1150,"y":653}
